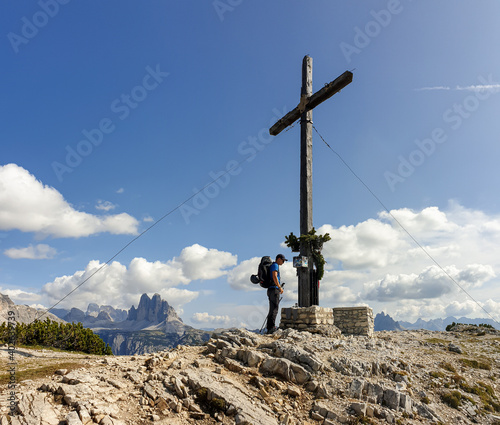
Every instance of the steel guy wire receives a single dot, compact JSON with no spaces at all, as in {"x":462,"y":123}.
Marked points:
{"x":402,"y":227}
{"x":228,"y":171}
{"x":140,"y":235}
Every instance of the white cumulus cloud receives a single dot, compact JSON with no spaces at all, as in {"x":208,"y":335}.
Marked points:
{"x":105,"y":205}
{"x":412,"y":310}
{"x":118,"y":285}
{"x":26,"y":204}
{"x":371,"y":243}
{"x":376,"y":262}
{"x":37,"y":252}
{"x":19,"y":296}
{"x":239,"y":277}
{"x":205,"y":318}
{"x":372,"y":262}
{"x":428,"y":221}
{"x":121,"y":286}
{"x":432,"y":282}
{"x":202,"y":263}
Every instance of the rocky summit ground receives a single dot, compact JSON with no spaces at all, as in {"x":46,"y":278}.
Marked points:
{"x":290,"y":377}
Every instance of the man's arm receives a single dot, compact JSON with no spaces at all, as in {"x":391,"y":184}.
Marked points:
{"x":276,"y":281}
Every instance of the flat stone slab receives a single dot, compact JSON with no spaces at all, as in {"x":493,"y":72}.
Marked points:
{"x":233,"y":394}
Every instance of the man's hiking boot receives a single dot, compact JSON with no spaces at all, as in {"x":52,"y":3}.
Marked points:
{"x":272,"y":330}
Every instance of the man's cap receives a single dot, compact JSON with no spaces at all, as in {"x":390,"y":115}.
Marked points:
{"x":281,"y":256}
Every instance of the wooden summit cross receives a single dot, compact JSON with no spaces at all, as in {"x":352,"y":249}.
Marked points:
{"x":308,"y":289}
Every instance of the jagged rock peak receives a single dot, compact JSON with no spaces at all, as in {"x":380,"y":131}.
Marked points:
{"x":75,"y":315}
{"x":104,"y":315}
{"x":92,"y":310}
{"x":384,"y":322}
{"x":23,"y":313}
{"x":152,"y":310}
{"x":5,"y":301}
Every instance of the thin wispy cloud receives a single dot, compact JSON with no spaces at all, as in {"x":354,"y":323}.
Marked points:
{"x":473,"y":88}
{"x":433,"y":88}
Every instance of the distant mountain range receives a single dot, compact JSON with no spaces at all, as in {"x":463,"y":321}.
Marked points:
{"x":94,"y":315}
{"x":384,"y":322}
{"x":154,"y":325}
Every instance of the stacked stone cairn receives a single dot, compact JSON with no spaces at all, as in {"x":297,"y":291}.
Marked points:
{"x":315,"y":319}
{"x":354,"y":320}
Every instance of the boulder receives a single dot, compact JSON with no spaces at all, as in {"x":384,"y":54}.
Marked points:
{"x":285,"y":369}
{"x":233,"y":394}
{"x":37,"y":409}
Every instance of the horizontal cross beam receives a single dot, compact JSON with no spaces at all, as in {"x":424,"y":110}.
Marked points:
{"x":320,"y":96}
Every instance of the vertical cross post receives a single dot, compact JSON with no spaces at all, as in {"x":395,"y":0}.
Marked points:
{"x":306,"y":214}
{"x":308,"y":290}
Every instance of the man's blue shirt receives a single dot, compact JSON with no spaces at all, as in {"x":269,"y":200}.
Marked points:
{"x":274,"y":267}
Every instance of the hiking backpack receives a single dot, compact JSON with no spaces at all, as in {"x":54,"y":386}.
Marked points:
{"x":263,"y":277}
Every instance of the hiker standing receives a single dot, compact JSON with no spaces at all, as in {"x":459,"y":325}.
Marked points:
{"x":274,"y":292}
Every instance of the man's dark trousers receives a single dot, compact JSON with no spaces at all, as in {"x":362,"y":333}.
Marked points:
{"x":274,"y":300}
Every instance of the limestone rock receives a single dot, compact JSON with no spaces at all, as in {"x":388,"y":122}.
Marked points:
{"x":391,"y":399}
{"x":233,"y":394}
{"x":285,"y":369}
{"x":35,"y":406}
{"x":73,"y":419}
{"x":359,"y":409}
{"x":292,"y":378}
{"x":454,"y":348}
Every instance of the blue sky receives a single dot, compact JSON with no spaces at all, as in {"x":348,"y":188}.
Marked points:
{"x":115,"y":113}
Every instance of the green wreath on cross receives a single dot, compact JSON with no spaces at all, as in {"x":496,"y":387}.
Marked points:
{"x":315,"y":243}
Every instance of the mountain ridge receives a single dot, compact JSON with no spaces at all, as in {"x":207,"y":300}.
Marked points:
{"x":384,"y":322}
{"x":440,"y":324}
{"x":154,"y":325}
{"x":22,"y":313}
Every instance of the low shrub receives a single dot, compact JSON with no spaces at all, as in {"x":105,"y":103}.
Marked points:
{"x":453,"y":399}
{"x":475,"y":364}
